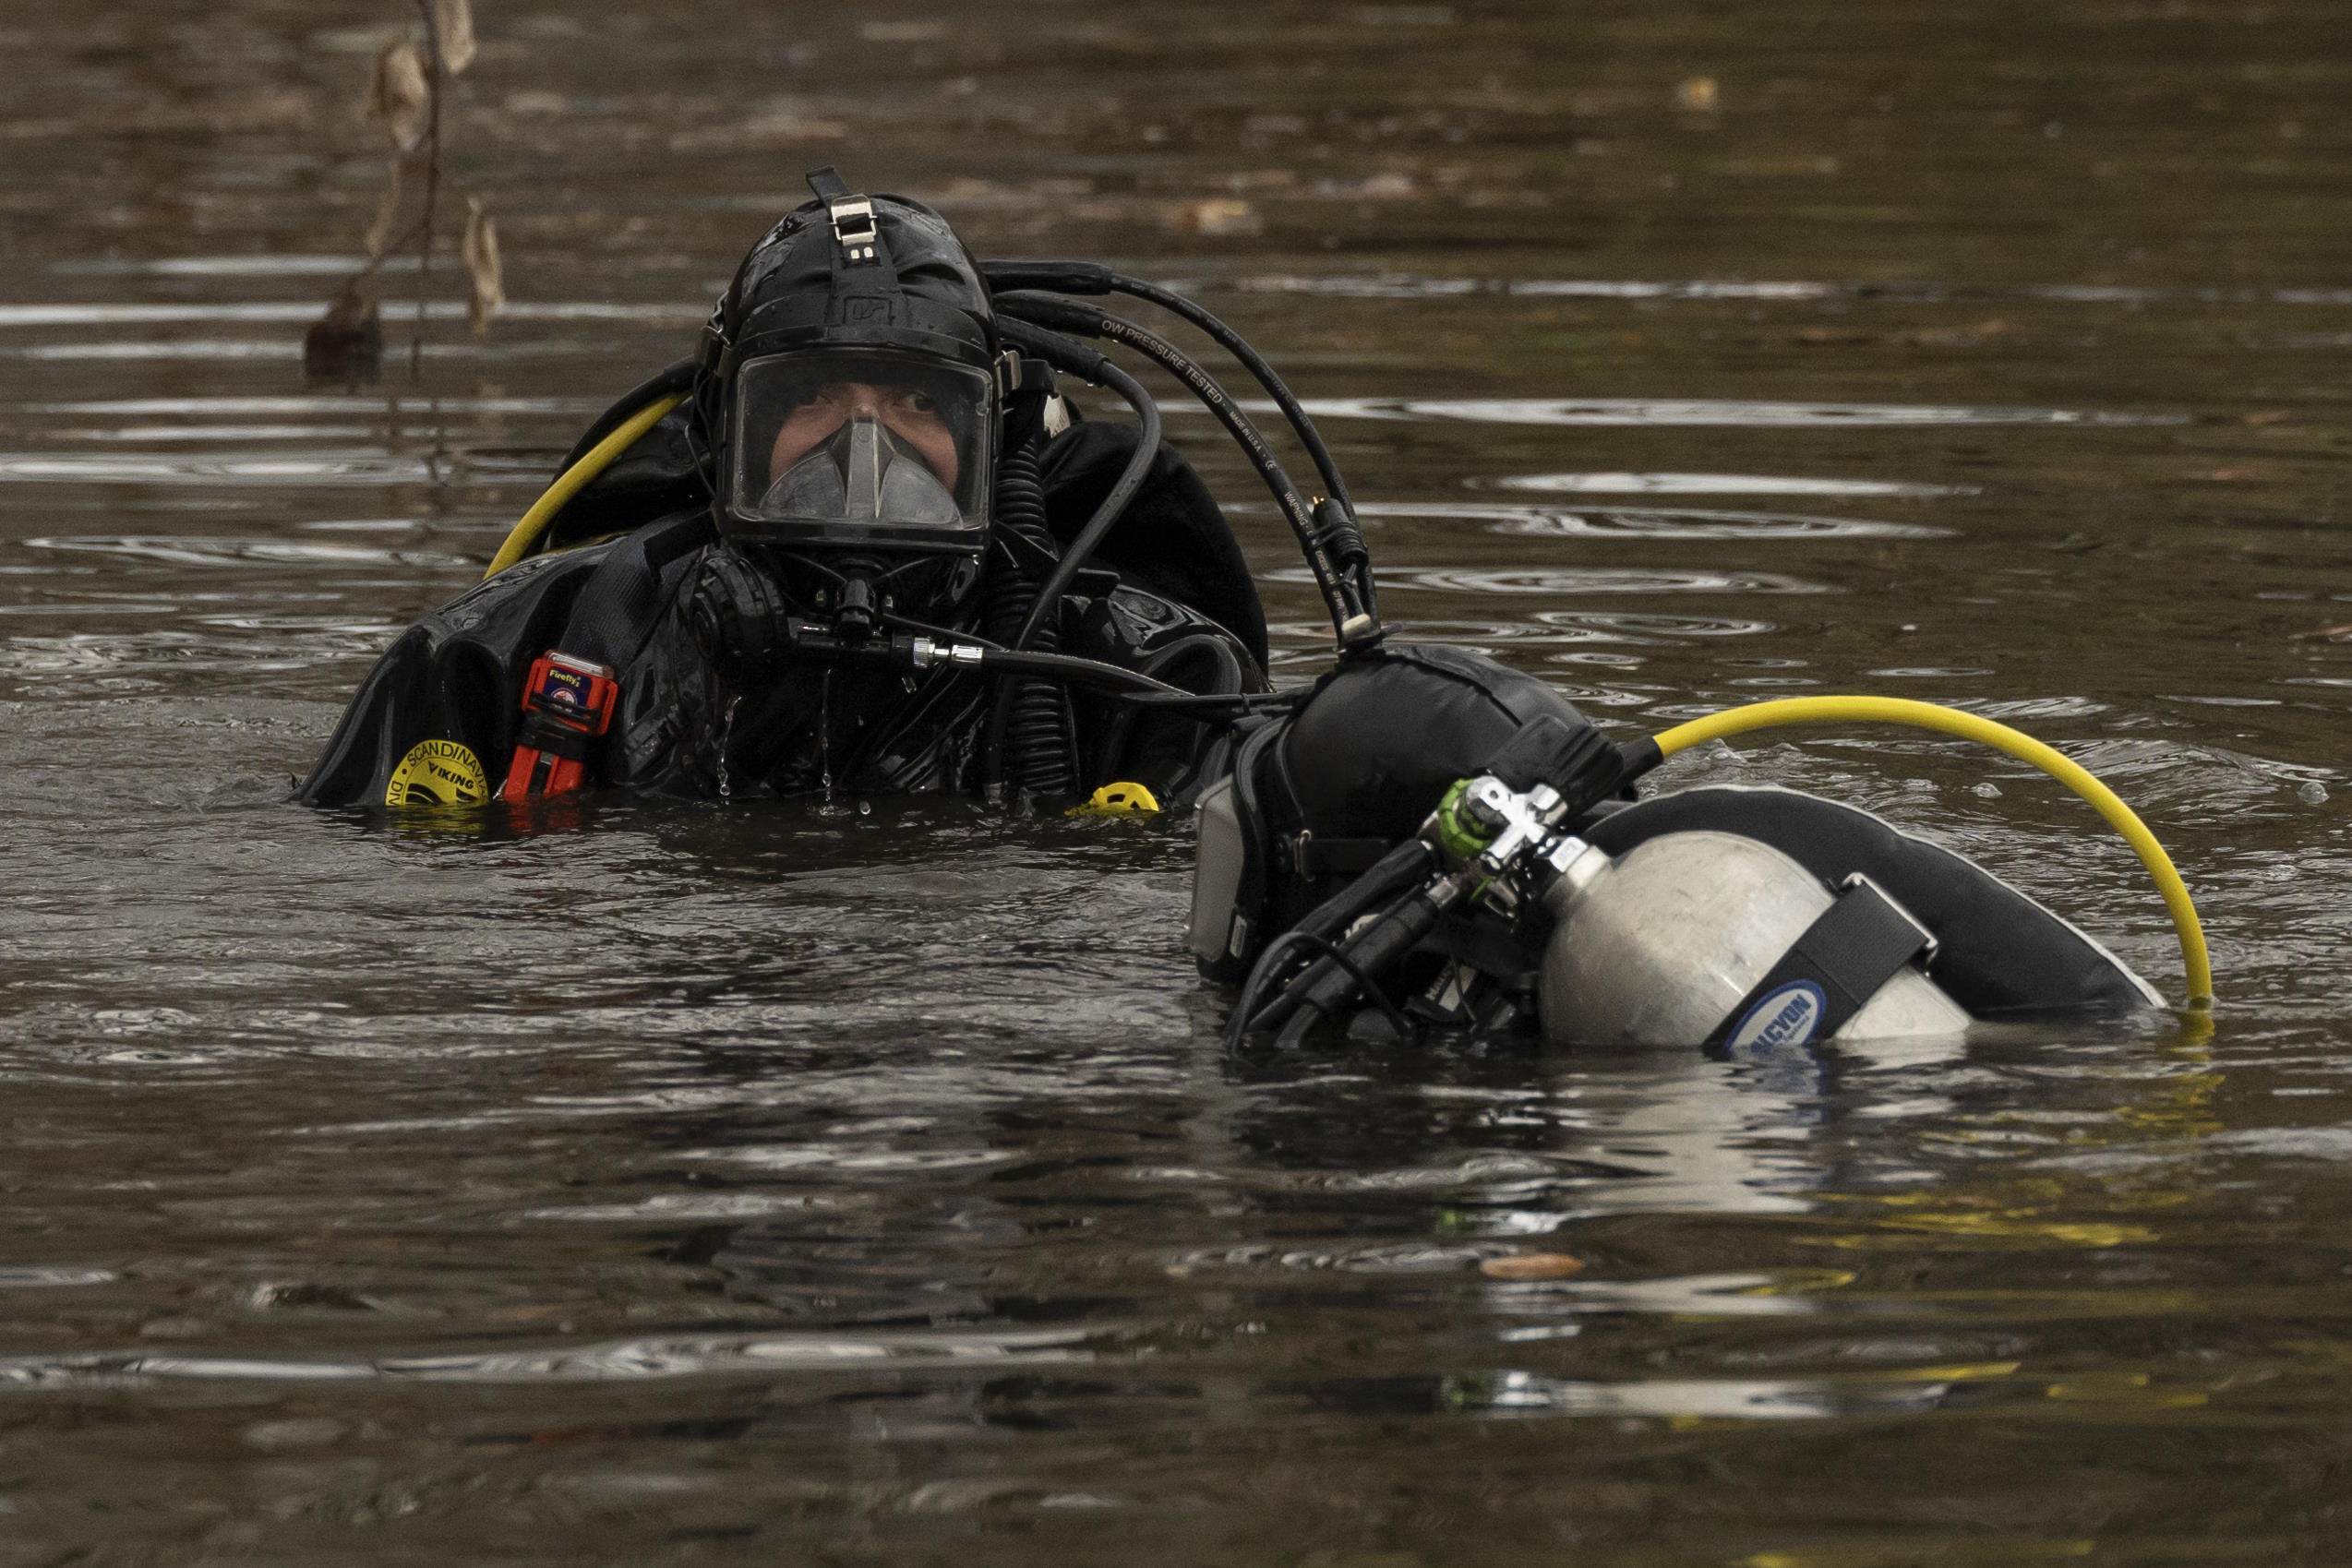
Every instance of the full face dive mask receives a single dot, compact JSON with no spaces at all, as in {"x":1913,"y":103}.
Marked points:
{"x":850,"y":447}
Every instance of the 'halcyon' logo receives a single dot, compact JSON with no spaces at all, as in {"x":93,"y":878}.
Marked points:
{"x":1790,"y":1015}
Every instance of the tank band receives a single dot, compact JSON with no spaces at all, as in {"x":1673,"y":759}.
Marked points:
{"x":1828,"y":974}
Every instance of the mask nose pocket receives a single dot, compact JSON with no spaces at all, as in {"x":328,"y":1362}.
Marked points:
{"x":864,"y":474}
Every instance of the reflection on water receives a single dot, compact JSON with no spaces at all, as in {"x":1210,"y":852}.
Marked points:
{"x":677,"y":1184}
{"x":1706,"y":412}
{"x":1706,"y":484}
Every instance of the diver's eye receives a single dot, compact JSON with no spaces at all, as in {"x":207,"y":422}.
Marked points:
{"x":921,"y":402}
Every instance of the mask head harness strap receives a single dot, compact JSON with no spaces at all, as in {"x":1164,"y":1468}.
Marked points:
{"x":866,"y":291}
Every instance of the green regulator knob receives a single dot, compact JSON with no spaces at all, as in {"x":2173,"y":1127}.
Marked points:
{"x":1458,"y":835}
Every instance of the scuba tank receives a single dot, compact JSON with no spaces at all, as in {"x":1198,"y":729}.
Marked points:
{"x":1534,"y":899}
{"x":1685,"y":938}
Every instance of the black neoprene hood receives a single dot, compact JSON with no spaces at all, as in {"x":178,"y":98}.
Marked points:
{"x":797,"y":288}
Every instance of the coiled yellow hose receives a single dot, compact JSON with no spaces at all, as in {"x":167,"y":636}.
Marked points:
{"x":573,"y":479}
{"x":2000,"y":737}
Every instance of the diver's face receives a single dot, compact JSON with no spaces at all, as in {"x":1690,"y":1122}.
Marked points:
{"x":911,"y":415}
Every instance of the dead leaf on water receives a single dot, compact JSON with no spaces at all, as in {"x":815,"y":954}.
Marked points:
{"x":454,"y":24}
{"x":399,"y":95}
{"x":479,"y":251}
{"x":2326,"y":634}
{"x":1217,"y":215}
{"x":1961,"y":337}
{"x":1531,"y":1265}
{"x":1697,"y":95}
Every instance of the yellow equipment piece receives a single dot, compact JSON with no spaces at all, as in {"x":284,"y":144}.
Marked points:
{"x":1117,"y":800}
{"x":575,"y":479}
{"x":2000,"y":737}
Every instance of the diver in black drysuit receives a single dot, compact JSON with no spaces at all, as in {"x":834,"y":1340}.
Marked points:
{"x":857,"y":457}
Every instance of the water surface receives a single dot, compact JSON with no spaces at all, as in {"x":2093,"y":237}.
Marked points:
{"x":767,"y":1183}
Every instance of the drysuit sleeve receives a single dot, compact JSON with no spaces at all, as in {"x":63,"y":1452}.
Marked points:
{"x":435,"y":721}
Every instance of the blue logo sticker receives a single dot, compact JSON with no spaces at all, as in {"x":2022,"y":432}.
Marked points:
{"x":1790,"y":1015}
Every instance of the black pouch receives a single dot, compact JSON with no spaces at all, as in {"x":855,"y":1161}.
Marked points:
{"x":1317,"y":796}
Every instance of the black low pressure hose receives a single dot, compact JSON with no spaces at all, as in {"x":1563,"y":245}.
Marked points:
{"x":1088,"y":366}
{"x":1077,"y":671}
{"x":1350,"y":622}
{"x":1406,"y":867}
{"x":1093,"y":278}
{"x":1335,"y":516}
{"x":678,"y":377}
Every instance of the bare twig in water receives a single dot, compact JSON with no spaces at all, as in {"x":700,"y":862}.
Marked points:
{"x":434,"y":78}
{"x":405,"y":95}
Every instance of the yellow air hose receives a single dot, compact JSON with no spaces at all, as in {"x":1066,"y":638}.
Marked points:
{"x":575,"y":479}
{"x":2000,"y":737}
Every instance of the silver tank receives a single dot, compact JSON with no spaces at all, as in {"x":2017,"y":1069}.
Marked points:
{"x":1657,"y":948}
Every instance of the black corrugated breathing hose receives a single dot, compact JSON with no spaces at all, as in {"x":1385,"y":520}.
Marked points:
{"x":1039,"y":744}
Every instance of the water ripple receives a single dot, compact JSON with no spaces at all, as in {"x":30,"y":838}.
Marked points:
{"x":200,"y":551}
{"x":632,"y":1360}
{"x":1568,"y":579}
{"x":308,"y":311}
{"x":1613,"y":484}
{"x":1729,"y":411}
{"x":327,"y":466}
{"x":1648,"y":523}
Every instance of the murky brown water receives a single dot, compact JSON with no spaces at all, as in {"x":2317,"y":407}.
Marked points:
{"x":753,"y":1185}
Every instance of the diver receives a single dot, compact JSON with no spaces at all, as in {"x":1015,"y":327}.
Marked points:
{"x":841,"y":548}
{"x":862,"y":542}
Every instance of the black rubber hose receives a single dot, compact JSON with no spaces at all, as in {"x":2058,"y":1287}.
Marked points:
{"x":1404,"y":867}
{"x":1342,"y":535}
{"x":1333,"y":980}
{"x":1076,"y":670}
{"x":1093,"y":278}
{"x":1232,"y":343}
{"x":1088,"y":364}
{"x":1067,"y":315}
{"x":678,"y":377}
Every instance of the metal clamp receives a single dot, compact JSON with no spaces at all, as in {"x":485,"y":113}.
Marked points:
{"x":854,"y":225}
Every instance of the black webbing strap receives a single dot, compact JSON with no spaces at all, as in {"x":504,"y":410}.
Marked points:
{"x":1830,"y":973}
{"x":1313,"y":856}
{"x":620,"y":603}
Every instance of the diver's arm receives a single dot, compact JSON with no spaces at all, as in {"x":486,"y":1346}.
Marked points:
{"x":433,"y":721}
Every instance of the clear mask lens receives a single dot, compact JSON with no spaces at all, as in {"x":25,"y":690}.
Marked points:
{"x":848,"y":445}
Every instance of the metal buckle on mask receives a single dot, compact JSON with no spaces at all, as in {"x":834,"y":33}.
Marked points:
{"x":854,"y":226}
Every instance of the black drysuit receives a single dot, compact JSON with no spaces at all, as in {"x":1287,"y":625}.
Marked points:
{"x":436,"y":721}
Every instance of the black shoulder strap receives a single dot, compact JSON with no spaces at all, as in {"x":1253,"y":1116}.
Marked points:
{"x":617,"y":606}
